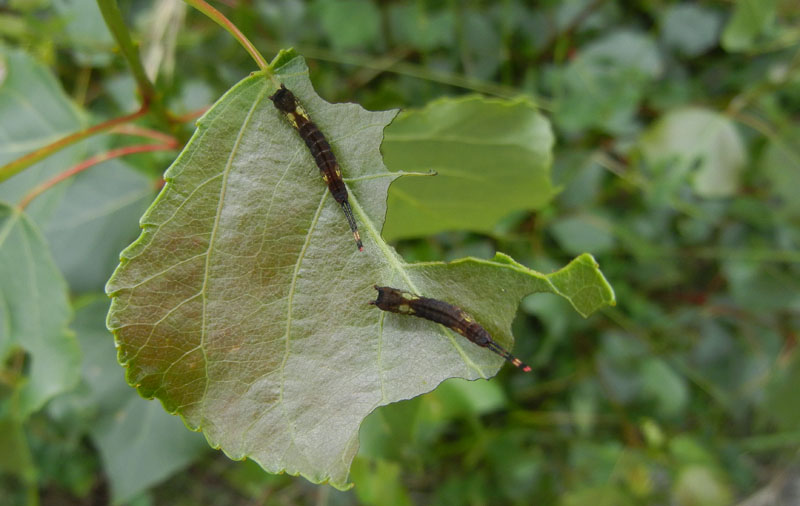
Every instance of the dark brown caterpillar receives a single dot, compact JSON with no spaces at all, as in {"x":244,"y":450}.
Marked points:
{"x":453,"y":317}
{"x":287,"y":103}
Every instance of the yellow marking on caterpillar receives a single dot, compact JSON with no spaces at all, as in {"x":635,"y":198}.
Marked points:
{"x":338,"y":172}
{"x":325,"y":177}
{"x":404,"y":308}
{"x":409,"y":296}
{"x":301,"y":112}
{"x":292,"y":119}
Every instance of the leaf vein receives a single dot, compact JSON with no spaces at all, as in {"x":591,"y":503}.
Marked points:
{"x":215,"y":228}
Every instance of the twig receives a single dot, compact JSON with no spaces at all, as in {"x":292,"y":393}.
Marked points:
{"x":12,"y":168}
{"x":115,"y":23}
{"x":90,"y":162}
{"x":225,"y":23}
{"x":192,"y":115}
{"x":145,"y":132}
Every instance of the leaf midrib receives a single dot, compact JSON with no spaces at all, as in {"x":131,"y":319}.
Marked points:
{"x":212,"y":239}
{"x":399,"y":266}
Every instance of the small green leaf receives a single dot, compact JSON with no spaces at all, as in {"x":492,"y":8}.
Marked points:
{"x":16,"y":458}
{"x":750,"y":20}
{"x":378,"y":483}
{"x":666,"y":387}
{"x":583,"y":233}
{"x":349,"y":24}
{"x":492,"y":157}
{"x":780,"y":163}
{"x":604,"y":84}
{"x":699,"y":141}
{"x":93,"y":218}
{"x":691,"y":29}
{"x":482,"y":51}
{"x":609,"y":494}
{"x":34,"y":313}
{"x":460,"y":397}
{"x":89,"y":38}
{"x":139,"y":443}
{"x":34,"y":111}
{"x":786,"y":377}
{"x":243,"y":306}
{"x":701,"y":485}
{"x":417,"y":27}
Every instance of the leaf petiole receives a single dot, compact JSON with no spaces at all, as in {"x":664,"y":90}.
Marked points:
{"x":225,"y":23}
{"x":90,"y":162}
{"x":18,"y":165}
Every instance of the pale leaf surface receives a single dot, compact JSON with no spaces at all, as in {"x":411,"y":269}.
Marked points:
{"x":244,"y":307}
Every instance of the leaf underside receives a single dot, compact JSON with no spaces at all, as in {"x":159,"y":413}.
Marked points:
{"x":243,"y":306}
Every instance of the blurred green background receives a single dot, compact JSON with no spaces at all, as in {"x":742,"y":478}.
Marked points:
{"x":677,"y":163}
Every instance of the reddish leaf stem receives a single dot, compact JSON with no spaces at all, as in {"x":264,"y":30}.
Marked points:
{"x":189,"y":116}
{"x":144,"y":132}
{"x":12,"y":168}
{"x":90,"y":162}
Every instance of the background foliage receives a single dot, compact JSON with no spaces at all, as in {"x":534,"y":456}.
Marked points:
{"x":676,"y":157}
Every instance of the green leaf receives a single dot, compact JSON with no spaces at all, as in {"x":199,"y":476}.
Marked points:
{"x":482,"y":50}
{"x":601,"y":495}
{"x":662,"y":384}
{"x":16,"y":458}
{"x":603,"y":85}
{"x":93,"y":219}
{"x":88,"y":218}
{"x":701,"y":485}
{"x":782,"y":387}
{"x":414,"y":26}
{"x":89,"y":37}
{"x":379,"y":483}
{"x":583,"y":233}
{"x":34,"y":313}
{"x":349,"y":24}
{"x":699,"y":141}
{"x":140,"y":444}
{"x":750,"y":20}
{"x":461,"y":397}
{"x":781,"y":166}
{"x":34,"y":111}
{"x":690,"y":29}
{"x":244,"y":306}
{"x":492,"y":157}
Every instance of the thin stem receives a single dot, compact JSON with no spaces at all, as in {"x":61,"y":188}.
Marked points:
{"x":90,"y":162}
{"x":12,"y":168}
{"x":192,"y":115}
{"x":145,"y":132}
{"x":752,"y":94}
{"x":116,"y":25}
{"x":225,"y":23}
{"x":764,"y":128}
{"x":416,"y":71}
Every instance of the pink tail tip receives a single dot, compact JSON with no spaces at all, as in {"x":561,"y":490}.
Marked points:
{"x":526,"y":369}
